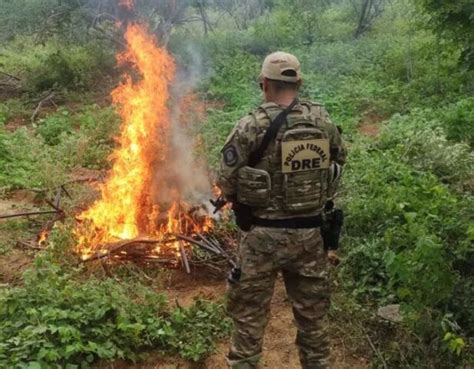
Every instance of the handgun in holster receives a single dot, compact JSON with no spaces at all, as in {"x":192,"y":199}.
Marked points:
{"x":332,"y":226}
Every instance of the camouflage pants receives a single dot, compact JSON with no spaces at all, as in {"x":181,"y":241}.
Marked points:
{"x":299,"y":255}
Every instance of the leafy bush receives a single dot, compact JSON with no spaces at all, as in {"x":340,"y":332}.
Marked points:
{"x":55,"y":321}
{"x":235,"y":80}
{"x":55,"y":125}
{"x":421,"y":140}
{"x":12,"y":108}
{"x":54,"y":64}
{"x":92,"y":140}
{"x":458,"y":120}
{"x":26,"y":163}
{"x":63,"y":141}
{"x":409,"y":237}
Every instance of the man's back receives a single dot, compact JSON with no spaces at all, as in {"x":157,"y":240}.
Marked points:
{"x":279,"y":166}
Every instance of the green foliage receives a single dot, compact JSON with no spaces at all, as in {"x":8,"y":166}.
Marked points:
{"x":458,"y":120}
{"x":83,"y":139}
{"x":63,"y":140}
{"x":241,"y":69}
{"x":408,"y":193}
{"x":54,"y":125}
{"x":453,"y":20}
{"x":11,"y":230}
{"x":56,"y":321}
{"x":76,"y":67}
{"x":12,"y":108}
{"x":56,"y":65}
{"x":408,"y":235}
{"x":421,"y":140}
{"x":25,"y":162}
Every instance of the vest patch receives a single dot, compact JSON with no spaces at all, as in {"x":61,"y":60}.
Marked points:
{"x":304,"y":155}
{"x":230,"y":155}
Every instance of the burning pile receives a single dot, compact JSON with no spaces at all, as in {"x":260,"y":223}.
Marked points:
{"x":145,"y":199}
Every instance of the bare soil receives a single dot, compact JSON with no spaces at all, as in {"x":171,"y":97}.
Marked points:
{"x":15,"y":261}
{"x":13,"y":265}
{"x":369,"y":124}
{"x":279,"y":349}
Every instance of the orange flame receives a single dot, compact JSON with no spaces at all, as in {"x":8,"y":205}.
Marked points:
{"x":126,"y":208}
{"x":42,"y":237}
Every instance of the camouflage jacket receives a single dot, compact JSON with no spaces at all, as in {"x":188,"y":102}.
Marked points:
{"x":246,"y":137}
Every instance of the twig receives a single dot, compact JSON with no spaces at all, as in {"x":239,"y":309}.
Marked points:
{"x":216,"y":244}
{"x":29,"y":245}
{"x":63,"y":187}
{"x":40,"y":104}
{"x":206,"y":247}
{"x":57,"y":198}
{"x":184,"y":258}
{"x":206,"y":241}
{"x":113,"y":248}
{"x":376,"y":351}
{"x":197,"y":243}
{"x":54,"y":206}
{"x":10,"y":75}
{"x":6,"y":216}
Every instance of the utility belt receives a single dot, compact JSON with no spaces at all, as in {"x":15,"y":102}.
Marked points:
{"x":331,"y":224}
{"x":294,"y":223}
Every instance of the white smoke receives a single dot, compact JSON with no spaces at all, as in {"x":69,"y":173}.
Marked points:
{"x":185,"y":175}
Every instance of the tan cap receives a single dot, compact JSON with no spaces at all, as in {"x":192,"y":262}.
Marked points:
{"x":279,"y":62}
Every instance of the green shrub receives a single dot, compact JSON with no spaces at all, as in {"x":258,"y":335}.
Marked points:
{"x":92,"y":140}
{"x":55,"y":321}
{"x":26,"y":163}
{"x":458,"y":120}
{"x":56,"y":64}
{"x":421,"y":141}
{"x":235,"y":80}
{"x":54,"y":126}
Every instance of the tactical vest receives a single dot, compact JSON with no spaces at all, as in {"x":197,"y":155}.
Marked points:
{"x":292,"y":177}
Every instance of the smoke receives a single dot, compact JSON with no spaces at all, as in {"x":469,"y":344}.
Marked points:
{"x":185,"y":174}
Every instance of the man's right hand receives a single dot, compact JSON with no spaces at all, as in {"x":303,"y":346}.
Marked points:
{"x":333,"y":258}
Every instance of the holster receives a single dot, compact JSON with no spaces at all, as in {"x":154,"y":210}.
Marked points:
{"x":243,"y":216}
{"x":331,"y":229}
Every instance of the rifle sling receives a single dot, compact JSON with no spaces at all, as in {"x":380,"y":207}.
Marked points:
{"x":270,"y":135}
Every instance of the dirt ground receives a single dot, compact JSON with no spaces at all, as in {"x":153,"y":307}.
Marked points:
{"x":370,"y":124}
{"x":279,"y":349}
{"x":182,"y":289}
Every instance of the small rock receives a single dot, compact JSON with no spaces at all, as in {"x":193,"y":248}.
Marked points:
{"x":390,"y":312}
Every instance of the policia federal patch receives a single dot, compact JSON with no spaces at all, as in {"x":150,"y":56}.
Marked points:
{"x":304,"y":155}
{"x":230,"y":155}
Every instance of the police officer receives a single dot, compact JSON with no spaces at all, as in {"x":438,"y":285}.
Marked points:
{"x":283,"y":194}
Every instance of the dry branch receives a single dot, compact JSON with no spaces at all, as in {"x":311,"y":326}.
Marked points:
{"x":25,"y":214}
{"x":48,"y":97}
{"x":10,"y":75}
{"x":114,"y":247}
{"x":197,"y":243}
{"x":184,"y":258}
{"x":28,"y":245}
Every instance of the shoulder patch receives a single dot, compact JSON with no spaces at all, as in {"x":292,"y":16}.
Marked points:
{"x":230,"y":155}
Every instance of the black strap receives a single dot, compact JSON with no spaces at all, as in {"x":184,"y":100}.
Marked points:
{"x":270,"y":134}
{"x":294,"y":223}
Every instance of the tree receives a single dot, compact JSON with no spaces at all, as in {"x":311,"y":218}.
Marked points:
{"x":367,"y":11}
{"x":454,"y":20}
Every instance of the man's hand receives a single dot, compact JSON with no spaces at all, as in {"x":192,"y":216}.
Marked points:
{"x":333,"y":258}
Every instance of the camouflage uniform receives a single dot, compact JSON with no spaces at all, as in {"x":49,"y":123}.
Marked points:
{"x":264,"y":252}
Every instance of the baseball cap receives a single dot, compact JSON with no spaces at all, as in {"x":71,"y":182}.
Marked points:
{"x":281,"y":66}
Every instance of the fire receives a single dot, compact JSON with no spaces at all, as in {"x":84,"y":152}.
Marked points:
{"x":42,"y":237}
{"x":128,"y":206}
